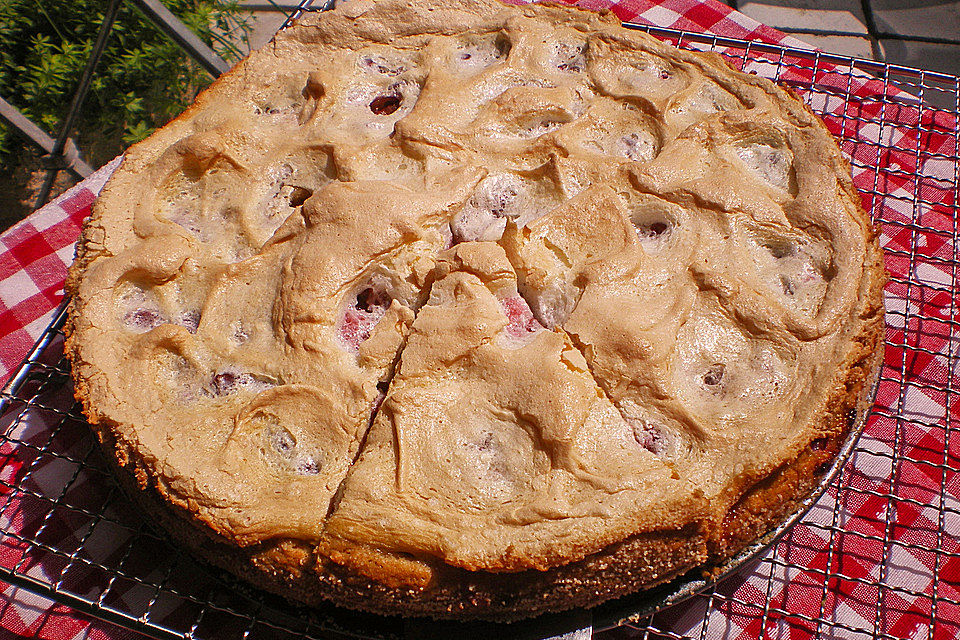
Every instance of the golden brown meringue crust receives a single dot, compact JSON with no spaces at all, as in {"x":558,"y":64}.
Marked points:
{"x":464,"y":309}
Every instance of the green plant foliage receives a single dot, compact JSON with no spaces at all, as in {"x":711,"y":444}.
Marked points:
{"x":143,"y":79}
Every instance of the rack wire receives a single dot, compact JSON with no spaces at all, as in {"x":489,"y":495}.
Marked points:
{"x":878,"y":556}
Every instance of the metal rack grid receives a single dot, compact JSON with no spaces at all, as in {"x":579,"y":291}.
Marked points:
{"x":877,"y":557}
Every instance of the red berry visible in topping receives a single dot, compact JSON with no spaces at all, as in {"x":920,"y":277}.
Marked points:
{"x":266,"y":110}
{"x":636,"y":148}
{"x":143,"y":319}
{"x":653,"y":230}
{"x":281,"y":440}
{"x":229,"y":381}
{"x":351,"y":324}
{"x":649,"y":436}
{"x":371,"y":301}
{"x":225,"y":382}
{"x":571,"y":66}
{"x":385,"y":105}
{"x":487,"y":443}
{"x":570,"y":57}
{"x":358,"y":322}
{"x":664,"y":74}
{"x":284,"y":444}
{"x":381,"y":65}
{"x":713,"y":377}
{"x":307,"y":465}
{"x":521,"y":322}
{"x":240,"y":334}
{"x":190,"y":320}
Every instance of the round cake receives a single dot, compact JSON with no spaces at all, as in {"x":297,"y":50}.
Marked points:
{"x":461,"y":309}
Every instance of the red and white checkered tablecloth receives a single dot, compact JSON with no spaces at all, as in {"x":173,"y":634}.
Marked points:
{"x":916,"y":198}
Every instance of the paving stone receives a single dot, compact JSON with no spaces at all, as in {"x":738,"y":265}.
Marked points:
{"x":827,"y":15}
{"x":935,"y":57}
{"x":265,"y":25}
{"x":925,"y":18}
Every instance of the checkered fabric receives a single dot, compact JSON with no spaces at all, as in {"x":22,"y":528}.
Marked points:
{"x":36,"y":254}
{"x":878,"y":555}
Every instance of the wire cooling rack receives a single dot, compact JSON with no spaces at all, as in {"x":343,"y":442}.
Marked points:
{"x":878,"y":556}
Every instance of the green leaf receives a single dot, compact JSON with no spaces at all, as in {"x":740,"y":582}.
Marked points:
{"x":137,"y":132}
{"x":142,"y":80}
